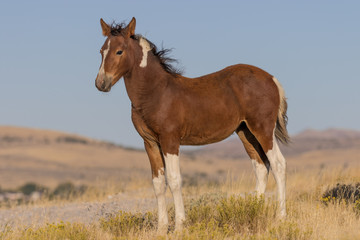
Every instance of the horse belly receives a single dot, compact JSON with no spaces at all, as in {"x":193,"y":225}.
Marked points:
{"x":203,"y":140}
{"x":209,"y":131}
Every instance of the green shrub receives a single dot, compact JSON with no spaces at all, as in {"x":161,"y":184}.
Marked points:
{"x":68,"y":190}
{"x":29,"y":188}
{"x":342,"y":193}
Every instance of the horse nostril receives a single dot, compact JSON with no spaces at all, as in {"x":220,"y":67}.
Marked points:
{"x":103,"y":83}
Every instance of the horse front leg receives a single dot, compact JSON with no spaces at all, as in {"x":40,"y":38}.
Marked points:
{"x":159,"y":183}
{"x":172,"y":169}
{"x":170,"y":149}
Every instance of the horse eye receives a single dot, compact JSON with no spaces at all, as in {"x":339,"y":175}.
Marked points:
{"x":119,"y":52}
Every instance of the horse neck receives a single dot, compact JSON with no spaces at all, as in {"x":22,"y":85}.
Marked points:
{"x":144,"y":82}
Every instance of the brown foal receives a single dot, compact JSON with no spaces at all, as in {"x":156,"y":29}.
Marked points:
{"x":169,"y":110}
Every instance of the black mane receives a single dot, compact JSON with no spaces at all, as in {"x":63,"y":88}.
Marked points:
{"x":162,"y":54}
{"x":117,"y":29}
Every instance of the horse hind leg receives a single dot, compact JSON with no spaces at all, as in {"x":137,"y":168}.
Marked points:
{"x":278,"y":167}
{"x":267,"y":142}
{"x":258,"y":158}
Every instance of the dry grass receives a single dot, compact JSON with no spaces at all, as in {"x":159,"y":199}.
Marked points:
{"x":308,"y":217}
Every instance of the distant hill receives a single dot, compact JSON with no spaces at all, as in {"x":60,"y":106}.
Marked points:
{"x":20,"y":136}
{"x":51,"y":157}
{"x":312,"y":140}
{"x":304,"y":142}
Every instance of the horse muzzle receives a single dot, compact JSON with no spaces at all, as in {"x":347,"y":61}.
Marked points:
{"x":103,"y":82}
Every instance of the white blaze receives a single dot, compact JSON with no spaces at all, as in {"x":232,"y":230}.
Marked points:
{"x":145,"y":49}
{"x":102,"y":69}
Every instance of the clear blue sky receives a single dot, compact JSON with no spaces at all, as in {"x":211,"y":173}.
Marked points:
{"x":49,"y":58}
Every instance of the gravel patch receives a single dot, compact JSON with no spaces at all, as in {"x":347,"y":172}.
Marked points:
{"x":86,"y":212}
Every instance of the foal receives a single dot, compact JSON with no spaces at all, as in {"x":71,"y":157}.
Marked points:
{"x":169,"y":110}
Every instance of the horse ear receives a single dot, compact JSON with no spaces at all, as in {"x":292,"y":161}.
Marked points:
{"x":105,"y":28}
{"x":130,"y":29}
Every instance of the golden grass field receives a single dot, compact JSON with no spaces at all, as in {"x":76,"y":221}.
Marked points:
{"x":112,"y":170}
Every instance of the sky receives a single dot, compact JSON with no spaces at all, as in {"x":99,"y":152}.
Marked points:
{"x":49,"y":58}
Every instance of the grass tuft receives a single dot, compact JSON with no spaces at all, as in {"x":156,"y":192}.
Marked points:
{"x":230,"y":216}
{"x":71,"y":231}
{"x":290,"y":230}
{"x":124,"y":223}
